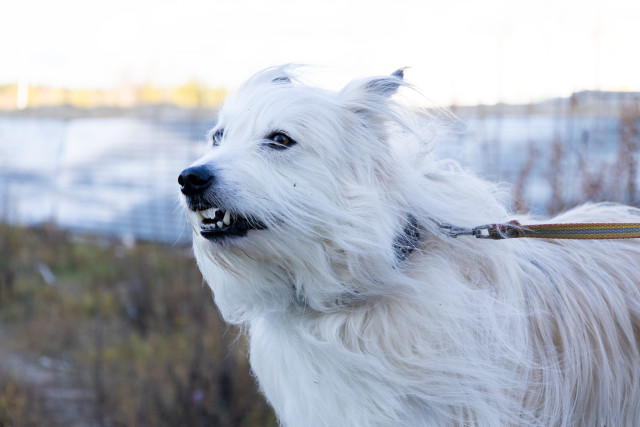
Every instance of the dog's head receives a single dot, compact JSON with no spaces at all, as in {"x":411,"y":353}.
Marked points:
{"x":300,"y":179}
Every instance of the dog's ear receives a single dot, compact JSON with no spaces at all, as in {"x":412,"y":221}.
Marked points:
{"x":282,"y":79}
{"x":369,"y":100}
{"x":386,"y":86}
{"x":373,"y":89}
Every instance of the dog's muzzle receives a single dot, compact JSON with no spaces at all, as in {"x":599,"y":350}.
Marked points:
{"x":195,"y":180}
{"x":197,"y":185}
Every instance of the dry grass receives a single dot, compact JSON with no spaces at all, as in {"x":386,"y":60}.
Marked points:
{"x":576,"y":176}
{"x":132,"y":332}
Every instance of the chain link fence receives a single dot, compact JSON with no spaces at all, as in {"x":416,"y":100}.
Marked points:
{"x":114,"y":176}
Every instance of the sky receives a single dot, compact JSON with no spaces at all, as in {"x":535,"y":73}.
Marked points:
{"x":458,"y":51}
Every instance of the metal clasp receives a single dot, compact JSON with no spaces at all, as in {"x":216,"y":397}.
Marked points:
{"x":454,"y":231}
{"x":480,"y":233}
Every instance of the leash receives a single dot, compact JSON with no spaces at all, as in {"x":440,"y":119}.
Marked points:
{"x":513,"y":229}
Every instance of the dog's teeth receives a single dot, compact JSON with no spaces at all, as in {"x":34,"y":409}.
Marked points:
{"x":227,"y":218}
{"x":209,"y":213}
{"x":220,"y":224}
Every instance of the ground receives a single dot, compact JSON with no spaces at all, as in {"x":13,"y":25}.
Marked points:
{"x":98,"y":333}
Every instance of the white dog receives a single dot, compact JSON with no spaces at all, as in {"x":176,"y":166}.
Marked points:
{"x":315,"y":218}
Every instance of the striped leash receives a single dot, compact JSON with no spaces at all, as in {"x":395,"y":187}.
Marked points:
{"x":513,"y":229}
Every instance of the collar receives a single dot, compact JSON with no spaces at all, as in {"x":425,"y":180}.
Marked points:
{"x":407,"y":240}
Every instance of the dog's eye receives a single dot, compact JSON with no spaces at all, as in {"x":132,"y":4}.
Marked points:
{"x":280,"y":141}
{"x":217,"y":137}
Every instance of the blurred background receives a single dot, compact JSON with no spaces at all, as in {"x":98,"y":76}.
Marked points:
{"x":104,"y":318}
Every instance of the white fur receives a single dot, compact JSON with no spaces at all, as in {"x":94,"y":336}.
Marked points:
{"x":463,"y":332}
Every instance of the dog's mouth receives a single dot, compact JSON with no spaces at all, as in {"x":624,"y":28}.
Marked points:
{"x":218,"y":223}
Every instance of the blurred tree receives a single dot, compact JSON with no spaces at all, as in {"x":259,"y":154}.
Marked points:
{"x":189,"y":95}
{"x":193,"y":94}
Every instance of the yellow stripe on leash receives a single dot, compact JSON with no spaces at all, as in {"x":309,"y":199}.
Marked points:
{"x":598,"y":231}
{"x":513,"y":229}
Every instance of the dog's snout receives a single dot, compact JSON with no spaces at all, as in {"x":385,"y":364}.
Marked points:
{"x":195,"y":180}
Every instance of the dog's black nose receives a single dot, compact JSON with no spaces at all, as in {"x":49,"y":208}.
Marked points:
{"x":195,"y":180}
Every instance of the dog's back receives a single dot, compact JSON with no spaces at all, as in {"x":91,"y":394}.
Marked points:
{"x":545,"y":333}
{"x":584,"y":300}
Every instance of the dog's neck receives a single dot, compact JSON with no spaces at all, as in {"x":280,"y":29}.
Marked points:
{"x":407,"y":240}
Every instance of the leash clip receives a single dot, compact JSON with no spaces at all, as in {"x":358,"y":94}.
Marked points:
{"x":485,"y":231}
{"x":454,"y":231}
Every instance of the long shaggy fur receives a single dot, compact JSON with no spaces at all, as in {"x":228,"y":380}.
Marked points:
{"x":344,"y":331}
